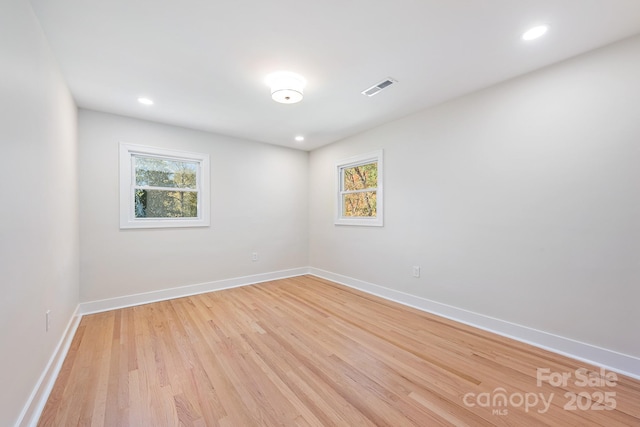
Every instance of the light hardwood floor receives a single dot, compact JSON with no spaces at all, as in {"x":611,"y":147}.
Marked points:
{"x":305,"y":351}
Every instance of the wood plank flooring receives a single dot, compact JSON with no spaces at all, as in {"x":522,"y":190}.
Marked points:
{"x":308,"y":352}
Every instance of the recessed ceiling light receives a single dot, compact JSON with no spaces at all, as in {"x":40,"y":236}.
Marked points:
{"x":299,"y":138}
{"x":145,"y":101}
{"x":535,"y":32}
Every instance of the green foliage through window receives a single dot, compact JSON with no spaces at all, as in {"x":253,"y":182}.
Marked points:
{"x":165,"y":188}
{"x":359,"y":185}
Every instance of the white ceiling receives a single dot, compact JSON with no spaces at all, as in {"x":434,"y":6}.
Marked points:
{"x":203,"y":62}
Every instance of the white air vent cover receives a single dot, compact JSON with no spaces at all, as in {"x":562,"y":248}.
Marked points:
{"x":379,"y":86}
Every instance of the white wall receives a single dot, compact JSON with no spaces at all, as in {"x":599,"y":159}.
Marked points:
{"x":259,"y":203}
{"x":39,"y":213}
{"x":520,"y":202}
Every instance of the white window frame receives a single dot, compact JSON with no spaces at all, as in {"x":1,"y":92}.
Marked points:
{"x":363,"y":159}
{"x":127,"y":186}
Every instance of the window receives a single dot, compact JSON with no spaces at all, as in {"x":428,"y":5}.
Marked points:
{"x":163,"y":188}
{"x":360,"y":190}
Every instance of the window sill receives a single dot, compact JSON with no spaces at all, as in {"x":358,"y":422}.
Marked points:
{"x":362,"y":222}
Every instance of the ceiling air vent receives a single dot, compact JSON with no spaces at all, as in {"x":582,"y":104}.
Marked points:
{"x":379,"y":86}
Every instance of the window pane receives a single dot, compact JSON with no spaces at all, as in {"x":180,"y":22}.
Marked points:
{"x":155,"y":172}
{"x":166,"y":204}
{"x":359,"y":204}
{"x":361,"y":177}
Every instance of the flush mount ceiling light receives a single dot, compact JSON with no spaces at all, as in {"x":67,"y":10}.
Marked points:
{"x":286,"y":87}
{"x":145,"y":101}
{"x":299,"y":138}
{"x":535,"y":32}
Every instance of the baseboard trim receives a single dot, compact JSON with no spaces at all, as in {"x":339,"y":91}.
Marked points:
{"x":185,"y":291}
{"x":608,"y":359}
{"x":38,"y":398}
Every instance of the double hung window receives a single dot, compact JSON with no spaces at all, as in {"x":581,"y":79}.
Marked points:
{"x":163,"y":188}
{"x":360,"y":196}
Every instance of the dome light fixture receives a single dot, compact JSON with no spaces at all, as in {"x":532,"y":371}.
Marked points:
{"x":535,"y":32}
{"x":299,"y":138}
{"x":286,"y":87}
{"x":145,"y":101}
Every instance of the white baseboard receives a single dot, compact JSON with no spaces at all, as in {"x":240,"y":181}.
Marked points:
{"x":38,"y":398}
{"x":185,"y":291}
{"x":608,"y":359}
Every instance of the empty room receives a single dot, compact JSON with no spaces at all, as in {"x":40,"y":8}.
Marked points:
{"x":334,"y":213}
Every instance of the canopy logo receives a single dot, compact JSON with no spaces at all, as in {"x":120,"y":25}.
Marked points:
{"x":499,"y":400}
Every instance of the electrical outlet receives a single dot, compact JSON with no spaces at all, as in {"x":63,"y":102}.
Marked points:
{"x":416,"y":271}
{"x":47,"y":316}
{"x":254,"y":256}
